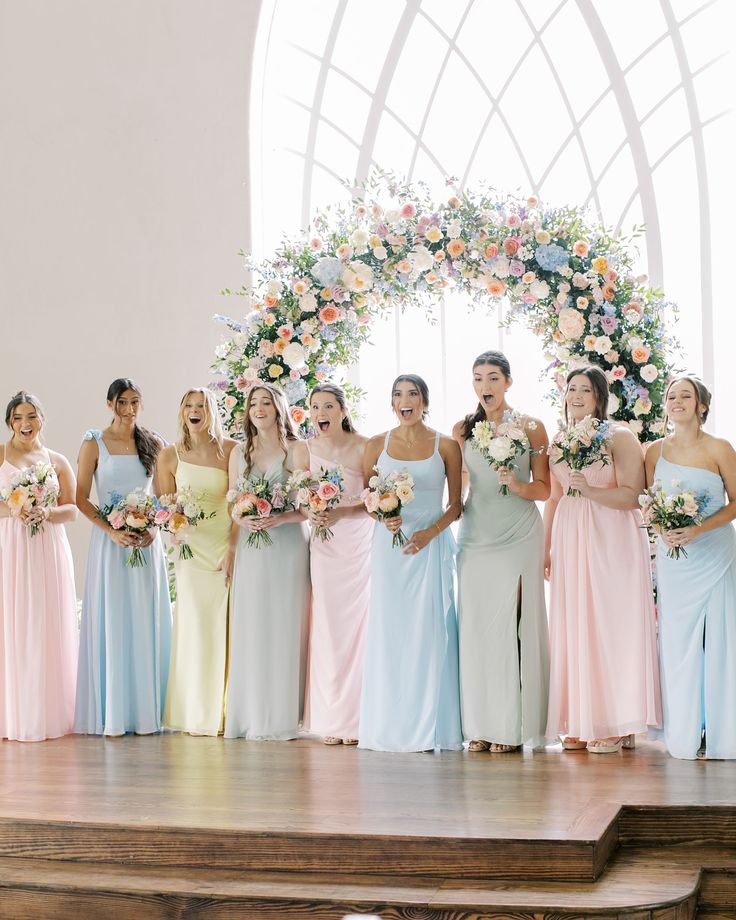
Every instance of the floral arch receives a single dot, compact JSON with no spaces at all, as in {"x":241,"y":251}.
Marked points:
{"x":310,"y":307}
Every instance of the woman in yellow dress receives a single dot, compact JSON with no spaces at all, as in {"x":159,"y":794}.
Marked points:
{"x":198,"y":670}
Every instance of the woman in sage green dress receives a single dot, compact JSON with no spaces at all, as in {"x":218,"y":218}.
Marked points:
{"x":504,"y":657}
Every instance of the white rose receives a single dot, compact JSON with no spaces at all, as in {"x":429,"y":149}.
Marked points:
{"x":274,"y":287}
{"x":454,"y":229}
{"x":421,"y":259}
{"x":539,"y":288}
{"x":501,"y":449}
{"x":542,"y":237}
{"x":190,"y":510}
{"x":294,"y":354}
{"x":501,"y":267}
{"x":636,"y":426}
{"x":602,"y":345}
{"x":649,"y":373}
{"x":380,"y":253}
{"x":308,"y":303}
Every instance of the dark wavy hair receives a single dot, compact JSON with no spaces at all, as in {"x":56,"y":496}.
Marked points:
{"x":146,"y":443}
{"x":21,"y":397}
{"x":702,"y":394}
{"x":497,"y":359}
{"x":600,"y":389}
{"x":334,"y":390}
{"x":419,"y":383}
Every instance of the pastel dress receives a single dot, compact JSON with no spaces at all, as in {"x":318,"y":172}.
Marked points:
{"x":604,"y":674}
{"x":38,"y":629}
{"x":411,"y":695}
{"x":195,"y":698}
{"x":502,"y":615}
{"x":341,"y":574}
{"x":269,"y":621}
{"x":697,"y":627}
{"x":126,"y":619}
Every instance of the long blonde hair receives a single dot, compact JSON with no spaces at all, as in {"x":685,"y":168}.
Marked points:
{"x":284,"y":423}
{"x":214,"y":425}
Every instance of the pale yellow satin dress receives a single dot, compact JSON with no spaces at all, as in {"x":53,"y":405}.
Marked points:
{"x":198,"y":674}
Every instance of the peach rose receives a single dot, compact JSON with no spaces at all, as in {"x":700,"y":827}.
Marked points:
{"x":263,"y":507}
{"x":640,"y":354}
{"x":455,"y":248}
{"x":388,"y":502}
{"x":496,"y":287}
{"x":329,"y":314}
{"x":491,"y":251}
{"x":270,"y":300}
{"x":570,"y":323}
{"x":404,"y":267}
{"x":298,"y":414}
{"x":580,"y":248}
{"x":453,"y":201}
{"x":510,"y":246}
{"x":609,"y":290}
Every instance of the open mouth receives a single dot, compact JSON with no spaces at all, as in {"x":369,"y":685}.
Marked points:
{"x":194,"y":420}
{"x":26,"y":432}
{"x":323,"y":424}
{"x":406,"y":413}
{"x":488,"y":398}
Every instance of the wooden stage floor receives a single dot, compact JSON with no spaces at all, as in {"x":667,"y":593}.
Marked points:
{"x":171,"y":801}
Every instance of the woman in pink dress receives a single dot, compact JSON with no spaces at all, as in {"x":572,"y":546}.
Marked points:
{"x":340,"y":569}
{"x":604,"y":679}
{"x":38,"y":605}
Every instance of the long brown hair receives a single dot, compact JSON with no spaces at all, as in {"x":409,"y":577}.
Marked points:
{"x":146,"y":443}
{"x":214,"y":424}
{"x":21,"y":397}
{"x":600,"y":389}
{"x":284,"y":423}
{"x":497,"y":359}
{"x":334,"y":390}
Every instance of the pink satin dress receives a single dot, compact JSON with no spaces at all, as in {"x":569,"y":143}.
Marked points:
{"x":604,"y":676}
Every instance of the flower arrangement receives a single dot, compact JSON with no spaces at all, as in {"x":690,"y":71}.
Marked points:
{"x":258,"y":497}
{"x":318,"y":493}
{"x":581,"y":444}
{"x":662,"y":511}
{"x":572,"y":282}
{"x":35,"y":487}
{"x":134,"y":513}
{"x":500,"y":444}
{"x":386,"y":495}
{"x":176,"y":514}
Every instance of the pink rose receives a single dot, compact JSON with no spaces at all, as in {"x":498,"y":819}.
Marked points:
{"x":327,"y":491}
{"x":162,"y":516}
{"x":116,"y":520}
{"x":408,"y":210}
{"x":263,"y":508}
{"x":511,"y":245}
{"x":370,"y":500}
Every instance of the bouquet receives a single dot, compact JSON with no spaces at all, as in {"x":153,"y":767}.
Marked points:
{"x":386,"y":495}
{"x":34,"y":487}
{"x":581,"y":445}
{"x":258,"y":498}
{"x":133,"y":513}
{"x":318,"y":493}
{"x":670,"y":512}
{"x":500,"y":444}
{"x":175,"y":514}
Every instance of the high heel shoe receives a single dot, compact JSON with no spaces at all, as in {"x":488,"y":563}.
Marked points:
{"x":608,"y":746}
{"x":573,"y":744}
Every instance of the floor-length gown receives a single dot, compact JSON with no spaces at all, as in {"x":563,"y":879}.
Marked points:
{"x":341,"y":571}
{"x":604,"y":675}
{"x":195,"y":698}
{"x":269,"y":620}
{"x":697,"y":627}
{"x":38,"y":629}
{"x":502,"y":616}
{"x":411,"y":697}
{"x":126,"y":619}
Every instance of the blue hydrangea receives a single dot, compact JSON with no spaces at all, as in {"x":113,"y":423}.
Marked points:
{"x":328,"y":333}
{"x":295,"y":391}
{"x":551,"y":257}
{"x":327,"y":271}
{"x":324,"y":369}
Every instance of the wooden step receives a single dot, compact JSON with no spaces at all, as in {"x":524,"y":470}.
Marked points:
{"x":639,"y":884}
{"x":403,"y":855}
{"x":718,"y":892}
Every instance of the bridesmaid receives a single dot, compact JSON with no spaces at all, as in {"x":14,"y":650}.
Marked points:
{"x":502,"y":616}
{"x":411,"y":697}
{"x":126,"y":613}
{"x":195,"y":697}
{"x":697,"y":592}
{"x":270,"y":591}
{"x":340,"y":569}
{"x":38,"y":603}
{"x":604,"y":681}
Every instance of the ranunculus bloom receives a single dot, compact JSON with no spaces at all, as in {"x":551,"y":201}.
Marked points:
{"x":581,"y":303}
{"x":285,"y":332}
{"x":404,"y":267}
{"x":453,"y":201}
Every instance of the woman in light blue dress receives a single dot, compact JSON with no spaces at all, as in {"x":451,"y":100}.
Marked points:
{"x":697,"y":592}
{"x":126,"y":612}
{"x":270,"y":597}
{"x":411,"y":698}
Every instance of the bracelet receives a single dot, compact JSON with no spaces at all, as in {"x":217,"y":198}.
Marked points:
{"x":439,"y":531}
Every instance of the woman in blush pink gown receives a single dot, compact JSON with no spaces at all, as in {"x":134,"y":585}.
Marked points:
{"x":38,"y":605}
{"x":604,"y":678}
{"x":340,"y":569}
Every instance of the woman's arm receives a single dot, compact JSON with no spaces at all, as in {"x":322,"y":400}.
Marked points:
{"x":165,"y":477}
{"x":725,"y":457}
{"x":628,"y":464}
{"x":457,"y":433}
{"x":550,"y":509}
{"x":653,"y":453}
{"x":233,"y":474}
{"x":65,"y":511}
{"x":538,"y":489}
{"x":4,"y":510}
{"x":87,"y":464}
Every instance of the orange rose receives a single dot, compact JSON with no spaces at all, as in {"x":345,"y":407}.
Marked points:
{"x":455,"y":248}
{"x":609,"y":291}
{"x":640,"y":354}
{"x":496,"y":287}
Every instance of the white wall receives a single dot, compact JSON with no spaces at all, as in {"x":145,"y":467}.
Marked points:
{"x":124,"y":200}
